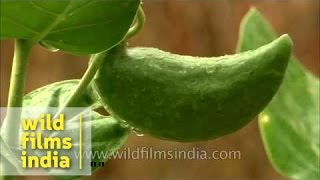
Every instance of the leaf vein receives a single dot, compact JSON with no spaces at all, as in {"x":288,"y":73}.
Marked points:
{"x":43,"y":9}
{"x":57,"y":21}
{"x":84,"y":5}
{"x":79,"y":27}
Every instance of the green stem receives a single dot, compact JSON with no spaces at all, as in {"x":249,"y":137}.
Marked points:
{"x":96,"y":61}
{"x":11,"y":126}
{"x":140,"y":20}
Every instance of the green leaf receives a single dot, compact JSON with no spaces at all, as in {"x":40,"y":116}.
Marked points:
{"x":8,"y":158}
{"x":75,"y":26}
{"x":290,"y":124}
{"x":108,"y":134}
{"x":54,"y":95}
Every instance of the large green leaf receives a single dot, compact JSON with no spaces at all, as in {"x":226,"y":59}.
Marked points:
{"x":8,"y":159}
{"x":107,"y":134}
{"x":290,"y":124}
{"x":54,"y":95}
{"x":76,"y":26}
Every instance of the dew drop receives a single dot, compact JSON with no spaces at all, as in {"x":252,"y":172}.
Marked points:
{"x":209,"y":70}
{"x":137,"y":132}
{"x":183,"y":71}
{"x":124,"y":124}
{"x":48,"y":47}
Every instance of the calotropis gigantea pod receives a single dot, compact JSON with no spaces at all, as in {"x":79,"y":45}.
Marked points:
{"x":185,"y":98}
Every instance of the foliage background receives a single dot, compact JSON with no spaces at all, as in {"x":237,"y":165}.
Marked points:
{"x":202,"y":28}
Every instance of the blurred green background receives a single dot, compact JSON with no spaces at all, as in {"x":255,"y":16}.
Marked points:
{"x":200,"y":28}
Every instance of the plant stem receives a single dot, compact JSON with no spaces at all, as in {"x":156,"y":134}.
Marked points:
{"x":11,"y":126}
{"x":140,"y":20}
{"x":96,"y":61}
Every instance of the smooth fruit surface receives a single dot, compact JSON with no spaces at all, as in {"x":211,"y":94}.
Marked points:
{"x":185,"y":98}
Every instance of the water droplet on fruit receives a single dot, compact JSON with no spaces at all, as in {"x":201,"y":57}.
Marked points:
{"x":210,"y":70}
{"x":124,"y":124}
{"x":137,"y":132}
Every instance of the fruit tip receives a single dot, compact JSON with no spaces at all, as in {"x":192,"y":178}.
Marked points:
{"x":252,"y":9}
{"x":286,"y":38}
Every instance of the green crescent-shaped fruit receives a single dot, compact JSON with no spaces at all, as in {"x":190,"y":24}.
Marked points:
{"x":185,"y":98}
